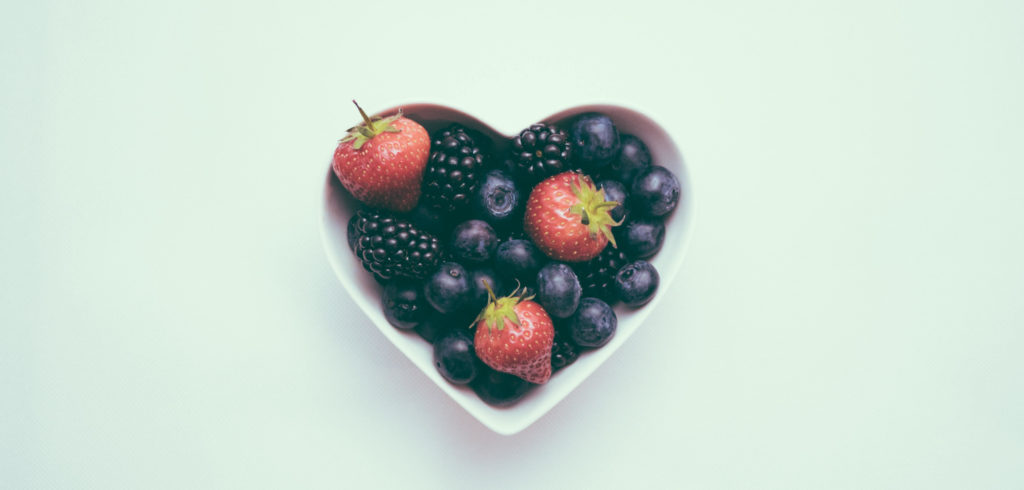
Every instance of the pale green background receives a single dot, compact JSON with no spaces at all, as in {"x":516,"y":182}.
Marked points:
{"x":849,"y":316}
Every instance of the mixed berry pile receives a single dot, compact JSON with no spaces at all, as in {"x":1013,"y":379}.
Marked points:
{"x":509,"y":264}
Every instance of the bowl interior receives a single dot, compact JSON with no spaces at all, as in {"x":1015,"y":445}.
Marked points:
{"x":339,"y":205}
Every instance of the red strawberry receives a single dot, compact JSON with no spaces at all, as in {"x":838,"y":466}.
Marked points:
{"x":381,"y":161}
{"x":568,"y":218}
{"x":514,"y":335}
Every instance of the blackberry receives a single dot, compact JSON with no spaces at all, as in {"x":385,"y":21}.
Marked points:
{"x":391,"y":247}
{"x":563,"y":351}
{"x":540,"y":151}
{"x":598,"y":275}
{"x":453,"y":170}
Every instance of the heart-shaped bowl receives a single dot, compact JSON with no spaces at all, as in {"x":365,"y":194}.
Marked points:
{"x":339,"y":205}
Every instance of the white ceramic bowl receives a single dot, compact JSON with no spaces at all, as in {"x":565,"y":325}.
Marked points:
{"x":339,"y":206}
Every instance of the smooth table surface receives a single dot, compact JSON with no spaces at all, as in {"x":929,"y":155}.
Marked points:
{"x":849,"y":314}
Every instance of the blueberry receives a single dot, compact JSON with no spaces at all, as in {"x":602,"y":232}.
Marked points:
{"x":655,"y":192}
{"x":477,"y":278}
{"x":614,"y":191}
{"x":499,"y":389}
{"x":558,"y":290}
{"x":593,"y":324}
{"x":448,"y":289}
{"x":473,"y":242}
{"x":518,"y":259}
{"x":403,"y":303}
{"x":633,"y":158}
{"x":429,"y":219}
{"x":636,"y":283}
{"x":436,"y":325}
{"x":454,"y":356}
{"x":595,"y":141}
{"x":498,"y":200}
{"x":642,"y":237}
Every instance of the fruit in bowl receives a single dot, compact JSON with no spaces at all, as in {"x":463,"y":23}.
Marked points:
{"x":512,"y":259}
{"x":381,"y":161}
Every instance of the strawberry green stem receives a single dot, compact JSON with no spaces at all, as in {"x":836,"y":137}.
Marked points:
{"x":369,"y":128}
{"x":366,"y":119}
{"x":592,"y":208}
{"x":500,"y":309}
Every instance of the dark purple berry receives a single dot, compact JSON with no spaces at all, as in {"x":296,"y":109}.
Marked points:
{"x":499,"y":389}
{"x":435,"y":325}
{"x":430,"y":219}
{"x":453,"y":170}
{"x":593,"y":324}
{"x":615,"y":191}
{"x":641,"y":237}
{"x":518,"y":259}
{"x":455,"y":358}
{"x":448,"y":289}
{"x":633,"y":158}
{"x":540,"y":151}
{"x":403,"y":304}
{"x":596,"y":276}
{"x":655,"y":192}
{"x":390,"y":247}
{"x":473,"y":242}
{"x":499,"y":201}
{"x":595,"y":141}
{"x":636,"y":283}
{"x":558,"y":290}
{"x":481,"y":279}
{"x":563,"y":351}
